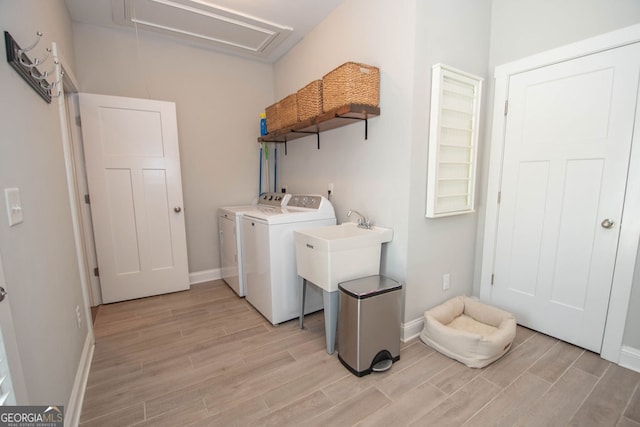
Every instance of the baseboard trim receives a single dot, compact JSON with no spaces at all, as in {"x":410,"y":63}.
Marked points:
{"x":74,"y":407}
{"x":412,"y":329}
{"x":204,"y":276}
{"x":630,"y":358}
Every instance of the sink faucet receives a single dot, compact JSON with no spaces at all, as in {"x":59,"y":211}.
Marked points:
{"x":363,"y":221}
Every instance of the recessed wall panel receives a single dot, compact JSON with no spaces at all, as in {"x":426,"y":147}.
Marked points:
{"x":576,"y":232}
{"x":157,"y":206}
{"x":135,"y":133}
{"x":122,"y":216}
{"x":528,"y":226}
{"x":583,"y":101}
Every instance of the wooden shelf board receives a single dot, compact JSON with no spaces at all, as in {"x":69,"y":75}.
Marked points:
{"x":333,"y":119}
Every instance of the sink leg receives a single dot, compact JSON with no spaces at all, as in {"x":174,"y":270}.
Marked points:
{"x":302,"y":298}
{"x":330,"y":300}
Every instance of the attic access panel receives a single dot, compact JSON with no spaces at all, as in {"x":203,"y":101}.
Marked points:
{"x":453,"y":141}
{"x":202,"y":22}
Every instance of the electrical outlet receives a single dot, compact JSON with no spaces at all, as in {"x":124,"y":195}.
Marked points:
{"x":330,"y":188}
{"x":78,"y":317}
{"x":446,"y":282}
{"x":14,"y":206}
{"x":283,"y":189}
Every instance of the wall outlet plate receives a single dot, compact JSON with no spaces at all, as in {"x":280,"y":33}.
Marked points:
{"x":14,"y":206}
{"x":446,"y":282}
{"x":78,"y":317}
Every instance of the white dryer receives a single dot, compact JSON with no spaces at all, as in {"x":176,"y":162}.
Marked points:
{"x":230,"y":238}
{"x":272,"y":284}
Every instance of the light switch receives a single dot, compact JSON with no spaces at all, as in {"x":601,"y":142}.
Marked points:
{"x":14,"y":206}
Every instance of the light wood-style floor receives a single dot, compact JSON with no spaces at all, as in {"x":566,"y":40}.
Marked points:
{"x":206,"y":357}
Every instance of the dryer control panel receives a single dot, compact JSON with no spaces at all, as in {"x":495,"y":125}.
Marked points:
{"x":274,"y":199}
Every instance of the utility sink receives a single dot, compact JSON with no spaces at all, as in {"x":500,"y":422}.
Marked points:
{"x":326,"y":256}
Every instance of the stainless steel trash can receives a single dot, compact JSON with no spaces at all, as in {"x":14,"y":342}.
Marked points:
{"x":369,"y":324}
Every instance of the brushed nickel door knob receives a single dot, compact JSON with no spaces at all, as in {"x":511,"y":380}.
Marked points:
{"x":607,"y":223}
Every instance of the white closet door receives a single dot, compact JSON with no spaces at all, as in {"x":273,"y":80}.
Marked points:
{"x":133,"y":170}
{"x":566,"y":156}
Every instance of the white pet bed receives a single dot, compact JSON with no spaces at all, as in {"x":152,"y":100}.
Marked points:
{"x":469,"y":331}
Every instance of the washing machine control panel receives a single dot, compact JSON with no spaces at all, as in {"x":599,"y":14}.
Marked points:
{"x":305,"y":201}
{"x":274,"y":199}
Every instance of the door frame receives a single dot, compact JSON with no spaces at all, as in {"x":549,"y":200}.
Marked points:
{"x":70,"y":85}
{"x":630,"y":224}
{"x":81,"y":188}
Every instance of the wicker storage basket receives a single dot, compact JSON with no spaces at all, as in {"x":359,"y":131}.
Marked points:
{"x":273,"y":122}
{"x":288,"y":111}
{"x":351,"y":83}
{"x":310,"y":100}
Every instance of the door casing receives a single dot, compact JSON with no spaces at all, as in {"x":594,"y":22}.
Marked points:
{"x":630,"y":224}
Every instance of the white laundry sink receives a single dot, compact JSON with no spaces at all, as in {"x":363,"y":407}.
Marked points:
{"x":326,"y":256}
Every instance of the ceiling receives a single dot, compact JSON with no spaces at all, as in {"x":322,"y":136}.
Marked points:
{"x":263,"y":30}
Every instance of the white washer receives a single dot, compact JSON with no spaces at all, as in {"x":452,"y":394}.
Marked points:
{"x":230,"y":237}
{"x":272,"y":284}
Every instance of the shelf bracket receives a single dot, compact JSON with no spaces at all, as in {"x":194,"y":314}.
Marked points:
{"x":364,"y":119}
{"x":316,"y":133}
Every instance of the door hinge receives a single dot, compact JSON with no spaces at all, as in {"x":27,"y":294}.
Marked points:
{"x":506,"y":106}
{"x":87,"y":200}
{"x":491,"y":279}
{"x":96,"y":272}
{"x":499,"y":196}
{"x":78,"y":121}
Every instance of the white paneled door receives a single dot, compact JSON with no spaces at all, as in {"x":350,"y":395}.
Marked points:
{"x":12,"y":387}
{"x":133,"y":170}
{"x":566,"y":155}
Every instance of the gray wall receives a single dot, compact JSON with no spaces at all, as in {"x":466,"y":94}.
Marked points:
{"x":455,"y":33}
{"x":371,"y":176}
{"x":218,"y":100}
{"x":385,"y":176}
{"x":521,"y":28}
{"x":39,"y":255}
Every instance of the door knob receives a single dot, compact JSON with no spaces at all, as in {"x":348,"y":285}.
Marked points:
{"x":607,"y":223}
{"x":3,"y":294}
{"x":177,"y":209}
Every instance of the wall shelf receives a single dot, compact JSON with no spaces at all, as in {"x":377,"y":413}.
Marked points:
{"x":333,"y":119}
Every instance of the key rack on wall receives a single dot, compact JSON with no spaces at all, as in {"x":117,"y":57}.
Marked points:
{"x":28,"y":69}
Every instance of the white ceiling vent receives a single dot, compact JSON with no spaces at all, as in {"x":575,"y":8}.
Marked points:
{"x":203,"y":22}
